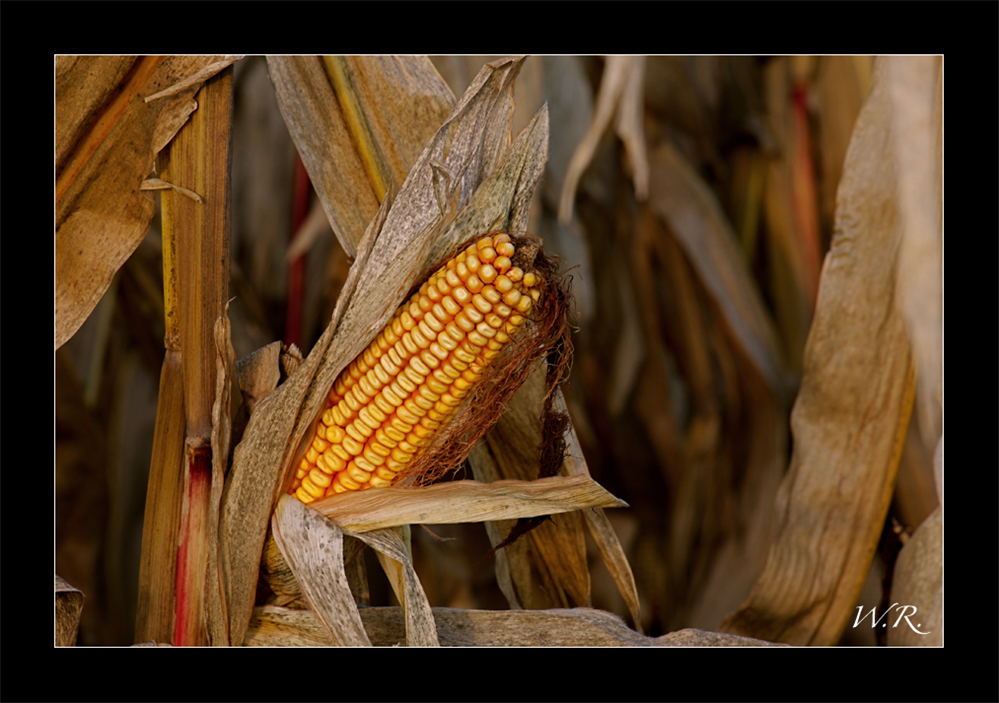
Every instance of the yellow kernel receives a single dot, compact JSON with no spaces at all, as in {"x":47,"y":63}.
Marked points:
{"x":372,"y":415}
{"x":430,"y":359}
{"x":494,"y":321}
{"x":362,"y":463}
{"x":449,"y":307}
{"x":461,"y":296}
{"x":462,"y":358}
{"x":530,"y":280}
{"x":320,"y":478}
{"x":419,"y":339}
{"x":303,"y":495}
{"x":406,"y":416}
{"x":487,"y":273}
{"x":474,"y":284}
{"x":503,"y":284}
{"x":424,"y":432}
{"x":512,"y":297}
{"x":476,"y":338}
{"x":405,"y":384}
{"x":384,"y":439}
{"x":375,"y":453}
{"x":379,"y":482}
{"x":451,"y":277}
{"x":515,"y":274}
{"x":524,"y":304}
{"x":485,"y":330}
{"x":419,"y":367}
{"x":446,"y":341}
{"x":464,"y":320}
{"x":330,"y":463}
{"x":472,"y":263}
{"x":346,"y":482}
{"x":453,"y":332}
{"x":437,"y":350}
{"x":351,"y":447}
{"x":483,"y":243}
{"x":504,"y":248}
{"x":423,"y":402}
{"x":482,"y":304}
{"x":487,"y":255}
{"x":491,"y":295}
{"x":414,"y":408}
{"x":401,"y":429}
{"x":311,"y":489}
{"x":385,"y":474}
{"x":433,"y":322}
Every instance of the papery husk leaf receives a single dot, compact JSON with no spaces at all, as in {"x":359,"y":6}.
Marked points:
{"x":464,"y":501}
{"x":273,"y":626}
{"x":393,"y":551}
{"x":851,"y":415}
{"x":107,"y":138}
{"x":313,"y":547}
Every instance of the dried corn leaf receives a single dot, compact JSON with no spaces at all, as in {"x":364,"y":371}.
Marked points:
{"x":222,"y":414}
{"x":107,"y":138}
{"x":621,"y":96}
{"x":273,"y":626}
{"x":601,"y":531}
{"x":546,"y":567}
{"x":850,"y":418}
{"x":790,"y":208}
{"x":915,"y":85}
{"x":68,"y":606}
{"x":679,"y":196}
{"x":473,"y":143}
{"x":359,"y":123}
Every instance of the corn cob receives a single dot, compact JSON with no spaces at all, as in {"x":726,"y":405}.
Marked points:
{"x":386,"y":405}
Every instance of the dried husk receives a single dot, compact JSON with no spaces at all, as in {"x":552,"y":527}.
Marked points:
{"x":850,"y":418}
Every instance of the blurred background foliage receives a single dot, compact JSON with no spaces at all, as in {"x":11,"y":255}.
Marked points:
{"x":702,"y":205}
